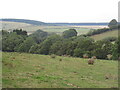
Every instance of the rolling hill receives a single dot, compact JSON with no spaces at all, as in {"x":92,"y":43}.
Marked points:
{"x":33,"y":22}
{"x":22,"y":70}
{"x":101,"y":36}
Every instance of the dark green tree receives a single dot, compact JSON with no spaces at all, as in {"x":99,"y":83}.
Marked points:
{"x":46,"y":44}
{"x":35,"y":49}
{"x":102,"y":49}
{"x":69,"y":33}
{"x":78,"y":52}
{"x":39,"y":36}
{"x":26,"y":45}
{"x":116,"y":50}
{"x":10,"y":42}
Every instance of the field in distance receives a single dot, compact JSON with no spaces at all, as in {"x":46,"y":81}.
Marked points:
{"x":55,"y":29}
{"x":22,"y":70}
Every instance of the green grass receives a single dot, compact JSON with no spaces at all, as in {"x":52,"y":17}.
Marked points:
{"x":22,"y":70}
{"x":105,"y":35}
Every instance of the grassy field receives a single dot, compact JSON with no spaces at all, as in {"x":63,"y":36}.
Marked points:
{"x":105,"y":35}
{"x":21,"y":70}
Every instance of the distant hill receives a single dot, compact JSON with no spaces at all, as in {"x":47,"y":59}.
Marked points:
{"x":34,"y":22}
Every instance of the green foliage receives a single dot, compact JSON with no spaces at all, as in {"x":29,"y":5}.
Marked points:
{"x":46,"y":44}
{"x":39,"y":36}
{"x":64,"y":47}
{"x":11,"y":41}
{"x":113,"y":24}
{"x":102,"y":49}
{"x":69,"y":33}
{"x":78,"y":52}
{"x":71,"y":45}
{"x":84,"y":43}
{"x":55,"y":48}
{"x":116,"y":49}
{"x":26,"y":45}
{"x":77,"y":46}
{"x":34,"y":49}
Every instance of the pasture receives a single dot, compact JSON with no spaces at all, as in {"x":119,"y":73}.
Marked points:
{"x":24,"y":70}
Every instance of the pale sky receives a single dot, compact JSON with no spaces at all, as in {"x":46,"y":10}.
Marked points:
{"x":60,"y":10}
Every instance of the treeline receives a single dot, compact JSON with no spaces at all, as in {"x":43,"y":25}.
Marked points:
{"x":68,"y":44}
{"x":113,"y":25}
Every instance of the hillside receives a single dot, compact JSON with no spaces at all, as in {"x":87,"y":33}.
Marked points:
{"x":21,"y":70}
{"x":101,"y":36}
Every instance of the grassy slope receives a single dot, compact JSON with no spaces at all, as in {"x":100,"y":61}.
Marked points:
{"x":40,"y":71}
{"x":106,"y":34}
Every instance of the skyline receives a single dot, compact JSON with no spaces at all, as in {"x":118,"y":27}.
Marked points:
{"x":65,"y":11}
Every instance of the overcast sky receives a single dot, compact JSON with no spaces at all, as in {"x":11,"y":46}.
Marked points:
{"x":60,"y":10}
